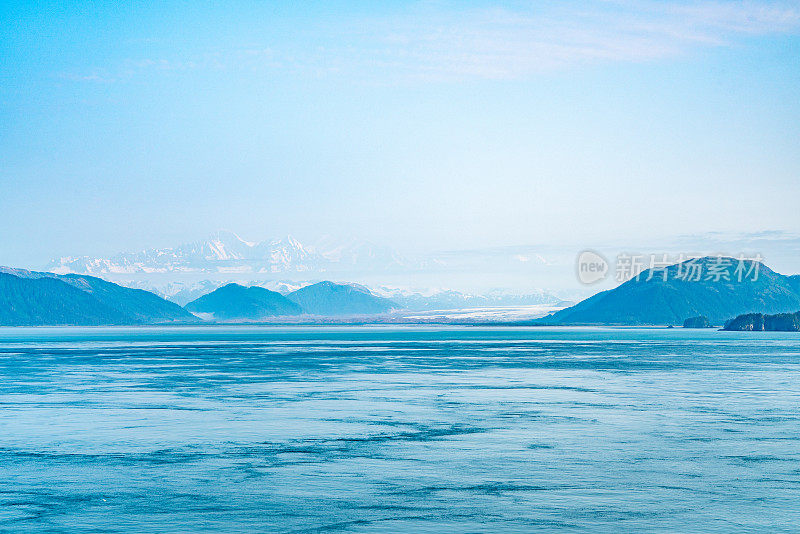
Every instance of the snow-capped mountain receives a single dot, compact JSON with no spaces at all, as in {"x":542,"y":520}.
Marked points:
{"x":192,"y":268}
{"x":354,"y":252}
{"x":226,"y":252}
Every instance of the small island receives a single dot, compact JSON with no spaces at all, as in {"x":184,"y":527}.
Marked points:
{"x":755,"y":322}
{"x":700,"y":321}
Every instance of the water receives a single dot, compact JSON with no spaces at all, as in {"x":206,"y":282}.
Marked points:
{"x":391,"y":429}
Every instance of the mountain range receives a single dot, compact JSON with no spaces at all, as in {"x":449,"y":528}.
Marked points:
{"x":668,"y":296}
{"x":37,"y":298}
{"x":327,"y":298}
{"x":655,"y":297}
{"x":407,"y":299}
{"x":234,"y":302}
{"x":226,"y":252}
{"x":30,"y":298}
{"x":225,"y":257}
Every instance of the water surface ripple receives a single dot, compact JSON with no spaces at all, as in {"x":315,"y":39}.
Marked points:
{"x":387,"y":429}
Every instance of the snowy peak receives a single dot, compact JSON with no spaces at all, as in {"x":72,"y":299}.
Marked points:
{"x":226,"y":252}
{"x":355,"y":252}
{"x":225,"y":245}
{"x":287,"y":254}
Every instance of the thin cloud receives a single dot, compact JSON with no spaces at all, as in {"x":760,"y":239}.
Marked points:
{"x":434,"y":43}
{"x":502,"y":43}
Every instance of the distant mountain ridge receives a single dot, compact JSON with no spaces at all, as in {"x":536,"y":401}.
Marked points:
{"x":39,"y":298}
{"x":227,"y":252}
{"x":327,"y":298}
{"x":654,"y":300}
{"x":407,"y":299}
{"x":234,"y":302}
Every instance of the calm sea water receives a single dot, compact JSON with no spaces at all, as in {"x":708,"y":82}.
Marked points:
{"x":398,"y":429}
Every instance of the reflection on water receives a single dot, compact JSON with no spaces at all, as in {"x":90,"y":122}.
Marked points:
{"x":398,"y":429}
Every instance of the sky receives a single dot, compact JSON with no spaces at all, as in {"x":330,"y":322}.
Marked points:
{"x":419,"y":125}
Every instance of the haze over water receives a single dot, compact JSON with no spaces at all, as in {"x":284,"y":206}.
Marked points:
{"x":387,"y":429}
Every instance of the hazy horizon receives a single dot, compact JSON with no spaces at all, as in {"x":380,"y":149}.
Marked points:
{"x":225,"y":256}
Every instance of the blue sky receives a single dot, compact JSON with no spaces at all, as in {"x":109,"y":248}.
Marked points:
{"x":422,"y":125}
